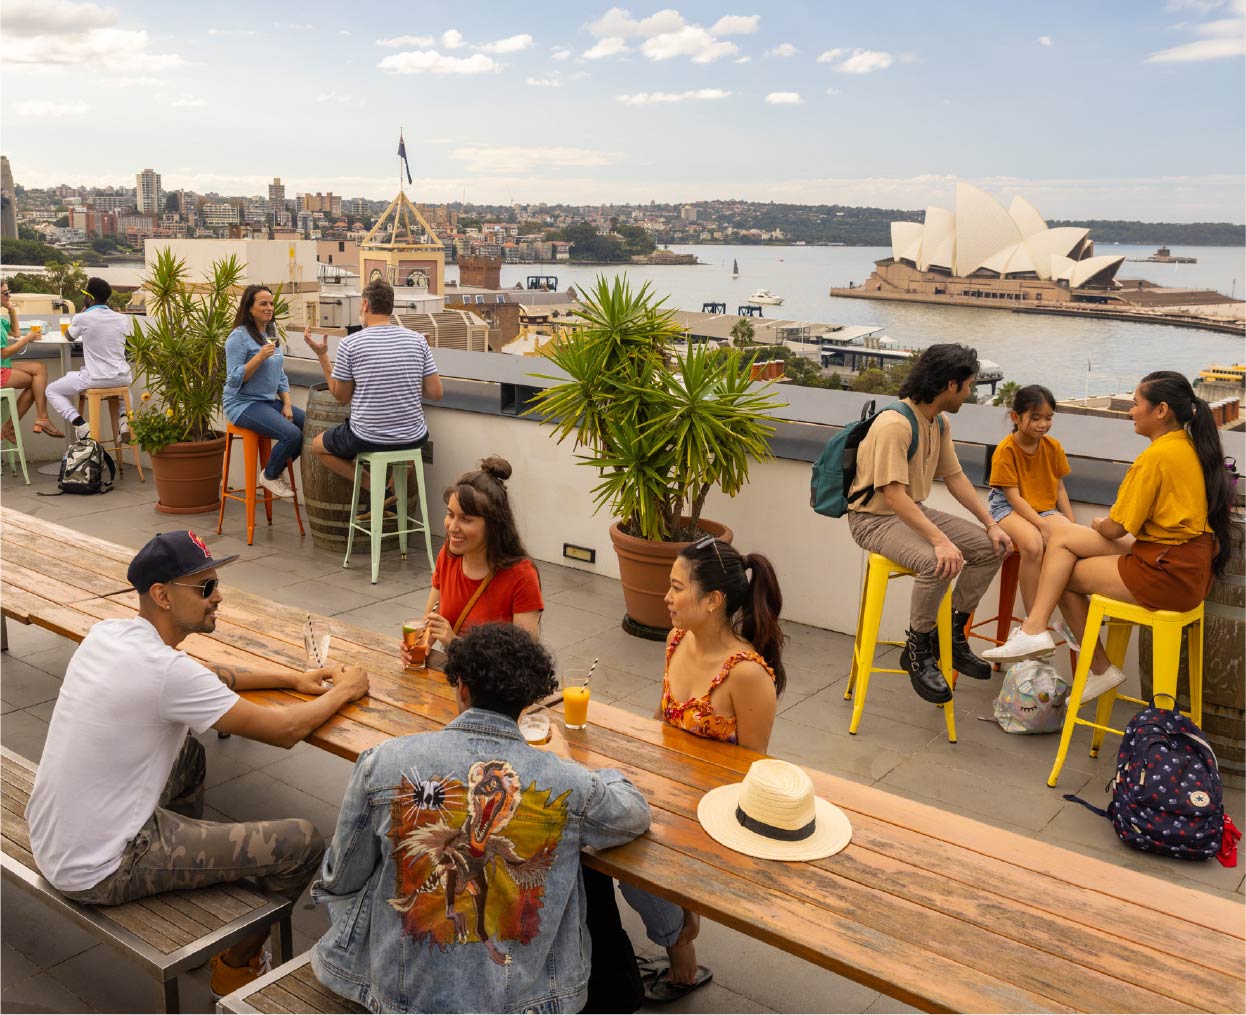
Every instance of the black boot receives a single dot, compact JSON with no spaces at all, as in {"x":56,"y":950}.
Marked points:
{"x":963,"y":659}
{"x":918,"y":658}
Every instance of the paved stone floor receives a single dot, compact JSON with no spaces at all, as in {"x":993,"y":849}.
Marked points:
{"x":48,"y":964}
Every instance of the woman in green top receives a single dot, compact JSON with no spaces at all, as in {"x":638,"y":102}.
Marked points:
{"x":31,"y":377}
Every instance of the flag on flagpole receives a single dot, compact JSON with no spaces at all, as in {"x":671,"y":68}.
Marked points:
{"x":402,"y":154}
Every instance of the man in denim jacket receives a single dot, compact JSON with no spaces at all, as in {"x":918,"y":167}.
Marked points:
{"x":453,"y":880}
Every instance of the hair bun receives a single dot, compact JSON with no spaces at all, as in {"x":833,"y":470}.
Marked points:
{"x":497,"y":467}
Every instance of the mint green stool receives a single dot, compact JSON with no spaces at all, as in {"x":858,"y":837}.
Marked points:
{"x":18,"y":450}
{"x":384,"y":460}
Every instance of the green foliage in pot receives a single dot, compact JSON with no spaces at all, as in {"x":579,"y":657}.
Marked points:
{"x":179,"y":350}
{"x":662,"y":430}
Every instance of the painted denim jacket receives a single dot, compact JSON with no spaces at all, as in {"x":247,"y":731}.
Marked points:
{"x":453,"y":879}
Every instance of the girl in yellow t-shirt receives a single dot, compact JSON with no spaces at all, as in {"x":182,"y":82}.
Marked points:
{"x":1175,"y":502}
{"x":1027,"y":495}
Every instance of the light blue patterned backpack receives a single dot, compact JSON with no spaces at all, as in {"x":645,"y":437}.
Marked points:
{"x":1033,"y":699}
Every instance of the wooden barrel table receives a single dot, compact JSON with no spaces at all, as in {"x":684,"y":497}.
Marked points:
{"x":1224,"y":663}
{"x":326,"y":496}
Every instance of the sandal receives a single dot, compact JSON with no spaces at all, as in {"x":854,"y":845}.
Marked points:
{"x":661,"y":990}
{"x":45,"y":426}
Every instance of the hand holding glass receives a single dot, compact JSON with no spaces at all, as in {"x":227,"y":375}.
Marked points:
{"x":415,"y":640}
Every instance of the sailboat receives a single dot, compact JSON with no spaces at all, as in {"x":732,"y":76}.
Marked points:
{"x":735,"y":269}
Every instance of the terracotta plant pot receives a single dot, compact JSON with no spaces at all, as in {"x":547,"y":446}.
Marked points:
{"x":645,"y":571}
{"x":188,"y":476}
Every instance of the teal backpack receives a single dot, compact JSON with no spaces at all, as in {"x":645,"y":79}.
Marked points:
{"x":836,"y":467}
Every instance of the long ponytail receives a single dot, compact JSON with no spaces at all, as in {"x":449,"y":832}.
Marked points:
{"x":1195,"y":415}
{"x":759,"y":617}
{"x":754,"y":601}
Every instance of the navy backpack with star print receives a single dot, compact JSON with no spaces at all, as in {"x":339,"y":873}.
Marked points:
{"x":1166,"y":795}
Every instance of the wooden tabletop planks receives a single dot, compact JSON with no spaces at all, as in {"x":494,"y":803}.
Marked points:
{"x":932,"y":908}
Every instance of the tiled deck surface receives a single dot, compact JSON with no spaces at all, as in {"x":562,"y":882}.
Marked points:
{"x":50,"y":965}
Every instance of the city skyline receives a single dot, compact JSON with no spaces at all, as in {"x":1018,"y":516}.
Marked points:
{"x":1115,"y":110}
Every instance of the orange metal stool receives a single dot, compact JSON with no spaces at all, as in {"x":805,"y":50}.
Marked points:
{"x":255,"y":452}
{"x":1009,"y":575}
{"x":115,"y":397}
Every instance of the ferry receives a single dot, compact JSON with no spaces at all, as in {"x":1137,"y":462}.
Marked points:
{"x":767,"y":297}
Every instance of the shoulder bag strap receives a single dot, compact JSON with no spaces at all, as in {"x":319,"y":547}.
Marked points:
{"x":480,"y":589}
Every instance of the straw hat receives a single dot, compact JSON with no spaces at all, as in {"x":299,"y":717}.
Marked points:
{"x":774,"y":815}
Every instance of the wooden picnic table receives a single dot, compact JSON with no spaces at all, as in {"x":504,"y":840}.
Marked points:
{"x":937,"y":910}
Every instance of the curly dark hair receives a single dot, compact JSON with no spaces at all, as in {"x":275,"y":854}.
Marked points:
{"x":935,"y":368}
{"x":503,"y":667}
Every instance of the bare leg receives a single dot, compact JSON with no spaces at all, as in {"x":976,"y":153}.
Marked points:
{"x":1095,"y":574}
{"x":1029,"y":543}
{"x":682,"y":955}
{"x":344,"y":467}
{"x":1068,"y":545}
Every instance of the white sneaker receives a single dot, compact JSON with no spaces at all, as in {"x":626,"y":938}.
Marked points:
{"x":1097,"y":683}
{"x":82,"y":432}
{"x":1022,"y":646}
{"x":277,"y":487}
{"x":1064,"y":631}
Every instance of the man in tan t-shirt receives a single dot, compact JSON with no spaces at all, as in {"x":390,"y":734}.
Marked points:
{"x":936,"y":546}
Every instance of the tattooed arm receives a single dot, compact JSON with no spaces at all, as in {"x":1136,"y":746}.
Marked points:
{"x":309,"y":682}
{"x":286,"y":726}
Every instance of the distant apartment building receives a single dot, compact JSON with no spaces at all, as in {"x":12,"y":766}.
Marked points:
{"x":328,"y":204}
{"x":148,"y":198}
{"x":116,"y":202}
{"x":276,"y":196}
{"x":688,"y":213}
{"x":93,"y":222}
{"x":255,"y":211}
{"x":219,"y":215}
{"x":136,"y":227}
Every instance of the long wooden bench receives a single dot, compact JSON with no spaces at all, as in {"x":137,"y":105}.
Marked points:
{"x":165,"y":934}
{"x":291,"y":987}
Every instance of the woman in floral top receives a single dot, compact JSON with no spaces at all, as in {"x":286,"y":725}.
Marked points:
{"x":723,"y":677}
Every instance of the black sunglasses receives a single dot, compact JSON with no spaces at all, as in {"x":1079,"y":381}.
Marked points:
{"x":205,"y":590}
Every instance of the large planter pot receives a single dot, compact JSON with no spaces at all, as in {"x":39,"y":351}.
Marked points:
{"x":188,"y":476}
{"x":645,"y":571}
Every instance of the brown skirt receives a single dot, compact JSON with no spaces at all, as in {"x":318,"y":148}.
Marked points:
{"x":1162,"y":576}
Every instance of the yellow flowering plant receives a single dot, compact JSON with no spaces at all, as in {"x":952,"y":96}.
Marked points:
{"x":153,"y":428}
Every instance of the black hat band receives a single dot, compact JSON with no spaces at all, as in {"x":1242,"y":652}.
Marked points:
{"x":773,"y":831}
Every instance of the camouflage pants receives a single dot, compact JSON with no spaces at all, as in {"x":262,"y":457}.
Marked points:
{"x":177,"y":850}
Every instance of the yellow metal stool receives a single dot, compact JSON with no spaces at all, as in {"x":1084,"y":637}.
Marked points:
{"x":873,"y":594}
{"x":115,"y":397}
{"x":1122,"y":618}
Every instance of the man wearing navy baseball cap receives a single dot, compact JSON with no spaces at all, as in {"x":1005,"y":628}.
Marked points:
{"x":116,"y":810}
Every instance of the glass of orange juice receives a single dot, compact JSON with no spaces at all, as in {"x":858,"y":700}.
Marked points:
{"x":414,"y":637}
{"x":575,"y":694}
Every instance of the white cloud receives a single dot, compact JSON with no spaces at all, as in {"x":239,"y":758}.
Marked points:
{"x":343,"y":31}
{"x":783,"y":49}
{"x":611,"y":45}
{"x":736,"y":24}
{"x":512,"y":44}
{"x":334,"y":98}
{"x":54,"y":17}
{"x":648,"y":98}
{"x":1044,"y":40}
{"x":102,"y":48}
{"x":42,"y":109}
{"x":745,"y":59}
{"x":231,"y":31}
{"x":398,"y":41}
{"x":784,"y":99}
{"x":834,"y":91}
{"x":551,"y":80}
{"x":858,"y":61}
{"x":452,"y":38}
{"x":691,"y":41}
{"x":429,"y":61}
{"x":187,"y":102}
{"x":1222,"y":38}
{"x":560,"y":53}
{"x":492,"y":159}
{"x":618,"y":22}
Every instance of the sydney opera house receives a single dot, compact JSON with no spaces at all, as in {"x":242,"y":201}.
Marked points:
{"x":986,"y":255}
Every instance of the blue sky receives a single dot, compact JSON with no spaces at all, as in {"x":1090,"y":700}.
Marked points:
{"x":1127,"y":109}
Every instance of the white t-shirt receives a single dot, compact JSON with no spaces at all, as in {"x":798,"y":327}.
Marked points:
{"x":102,"y":333}
{"x":119,"y":722}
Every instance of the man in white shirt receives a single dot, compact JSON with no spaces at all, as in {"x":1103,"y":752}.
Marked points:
{"x":115,"y":813}
{"x":101,"y":330}
{"x":385,"y":373}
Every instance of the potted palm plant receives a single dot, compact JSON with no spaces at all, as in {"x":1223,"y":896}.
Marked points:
{"x":179,"y":352}
{"x":661,"y":430}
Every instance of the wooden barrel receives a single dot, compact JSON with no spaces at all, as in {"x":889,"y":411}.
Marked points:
{"x":1224,"y":662}
{"x":326,"y":496}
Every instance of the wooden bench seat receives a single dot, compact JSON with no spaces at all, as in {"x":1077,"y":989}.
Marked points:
{"x":165,"y":934}
{"x":292,"y":987}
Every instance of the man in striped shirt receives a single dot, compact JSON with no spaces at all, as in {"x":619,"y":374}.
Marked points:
{"x":385,"y":373}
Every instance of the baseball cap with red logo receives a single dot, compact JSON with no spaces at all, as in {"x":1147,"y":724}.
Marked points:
{"x":171,"y":555}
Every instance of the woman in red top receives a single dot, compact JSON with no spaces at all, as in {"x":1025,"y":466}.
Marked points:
{"x":483,"y":572}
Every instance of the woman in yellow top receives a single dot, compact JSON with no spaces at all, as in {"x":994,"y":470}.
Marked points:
{"x":1175,"y":502}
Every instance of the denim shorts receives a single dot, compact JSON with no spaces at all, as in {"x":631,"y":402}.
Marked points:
{"x":997,"y":504}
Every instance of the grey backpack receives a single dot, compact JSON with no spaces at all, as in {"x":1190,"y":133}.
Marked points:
{"x":86,"y":468}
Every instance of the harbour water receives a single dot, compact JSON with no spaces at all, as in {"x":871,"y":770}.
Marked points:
{"x":1072,"y":357}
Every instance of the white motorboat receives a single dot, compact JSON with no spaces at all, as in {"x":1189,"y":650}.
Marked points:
{"x":766,"y":296}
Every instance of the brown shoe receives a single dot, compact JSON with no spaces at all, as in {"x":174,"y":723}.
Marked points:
{"x":226,"y":978}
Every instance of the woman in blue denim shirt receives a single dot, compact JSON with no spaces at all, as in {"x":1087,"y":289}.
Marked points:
{"x":257,"y":391}
{"x":453,"y":879}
